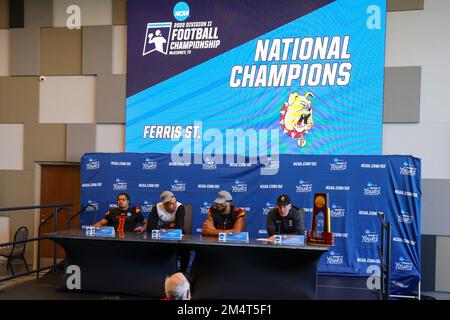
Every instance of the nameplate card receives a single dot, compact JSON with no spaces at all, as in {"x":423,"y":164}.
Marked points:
{"x":233,"y":237}
{"x":167,"y":234}
{"x":105,"y":232}
{"x":298,"y":240}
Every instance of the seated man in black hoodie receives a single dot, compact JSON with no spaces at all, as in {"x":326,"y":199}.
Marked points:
{"x":285,"y":218}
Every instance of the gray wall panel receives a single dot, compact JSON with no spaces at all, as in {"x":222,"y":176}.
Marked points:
{"x":402,"y":94}
{"x":15,"y":106}
{"x":80,"y":140}
{"x":110,"y":99}
{"x":435,"y":204}
{"x":44,"y":142}
{"x":404,"y":5}
{"x":4,"y":14}
{"x":24,"y":52}
{"x":120,"y":12}
{"x":443,"y":264}
{"x":428,"y":262}
{"x":97,"y":50}
{"x":60,"y":51}
{"x":38,"y":13}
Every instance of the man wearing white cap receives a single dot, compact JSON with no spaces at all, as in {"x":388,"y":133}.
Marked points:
{"x":223,"y":217}
{"x":167,"y":214}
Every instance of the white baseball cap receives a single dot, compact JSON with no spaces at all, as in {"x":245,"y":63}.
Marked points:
{"x":166,"y":196}
{"x":223,"y":196}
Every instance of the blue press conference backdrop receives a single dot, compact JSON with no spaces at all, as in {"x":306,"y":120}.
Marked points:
{"x":360,"y":187}
{"x":200,"y":67}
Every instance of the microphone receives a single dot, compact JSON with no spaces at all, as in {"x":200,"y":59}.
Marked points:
{"x":279,"y":226}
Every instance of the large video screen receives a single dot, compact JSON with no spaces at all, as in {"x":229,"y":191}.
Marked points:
{"x":234,"y":77}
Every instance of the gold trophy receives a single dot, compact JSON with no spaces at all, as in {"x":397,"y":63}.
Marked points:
{"x":320,"y":206}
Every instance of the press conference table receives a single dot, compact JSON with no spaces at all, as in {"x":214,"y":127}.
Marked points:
{"x":134,"y":263}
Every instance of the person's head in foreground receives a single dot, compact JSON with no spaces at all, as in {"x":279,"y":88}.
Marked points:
{"x":177,"y":287}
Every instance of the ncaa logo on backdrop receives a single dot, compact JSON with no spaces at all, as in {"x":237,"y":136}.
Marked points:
{"x":403,"y":264}
{"x":303,"y":187}
{"x":120,"y":185}
{"x":181,"y":11}
{"x":93,"y":205}
{"x":405,"y":217}
{"x":178,"y":185}
{"x":337,"y":211}
{"x":269,"y":206}
{"x":149,"y":165}
{"x":92,"y":164}
{"x":239,"y":186}
{"x":338,"y":165}
{"x":205,"y":208}
{"x":209,"y":164}
{"x":369,"y":237}
{"x":180,"y":38}
{"x":147,"y":207}
{"x":408,"y":169}
{"x":271,"y":164}
{"x":372,"y":190}
{"x":335,"y":258}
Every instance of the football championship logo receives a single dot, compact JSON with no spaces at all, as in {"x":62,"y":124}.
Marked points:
{"x":157,"y":37}
{"x":296,"y":117}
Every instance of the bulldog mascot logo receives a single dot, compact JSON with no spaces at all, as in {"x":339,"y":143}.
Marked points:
{"x":296,"y":117}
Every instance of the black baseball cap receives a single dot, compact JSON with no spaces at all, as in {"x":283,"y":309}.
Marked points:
{"x":283,"y":200}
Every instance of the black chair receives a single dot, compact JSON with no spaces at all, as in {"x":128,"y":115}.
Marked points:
{"x":17,"y":251}
{"x":187,"y":219}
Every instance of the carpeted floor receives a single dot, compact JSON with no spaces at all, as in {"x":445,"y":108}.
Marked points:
{"x":28,"y":288}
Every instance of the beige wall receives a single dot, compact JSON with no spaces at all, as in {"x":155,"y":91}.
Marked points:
{"x":55,"y":120}
{"x":4,"y":53}
{"x":97,"y":12}
{"x":11,"y":140}
{"x":61,"y":101}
